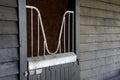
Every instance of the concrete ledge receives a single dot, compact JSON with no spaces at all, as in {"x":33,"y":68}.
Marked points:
{"x":50,"y":60}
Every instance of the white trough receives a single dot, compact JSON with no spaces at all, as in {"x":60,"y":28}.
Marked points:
{"x":50,"y":60}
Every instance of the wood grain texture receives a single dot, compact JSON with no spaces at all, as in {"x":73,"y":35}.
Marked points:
{"x":97,"y":21}
{"x":99,"y":13}
{"x":117,"y":2}
{"x":8,"y":13}
{"x":9,"y":3}
{"x":99,"y":70}
{"x":8,"y":27}
{"x":99,"y":30}
{"x":87,"y":56}
{"x":99,"y":46}
{"x":8,"y":41}
{"x":100,"y":5}
{"x":8,"y":68}
{"x":10,"y":77}
{"x":10,"y":54}
{"x":99,"y":39}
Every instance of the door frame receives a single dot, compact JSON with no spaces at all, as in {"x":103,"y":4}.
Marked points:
{"x":23,"y":35}
{"x":22,"y":40}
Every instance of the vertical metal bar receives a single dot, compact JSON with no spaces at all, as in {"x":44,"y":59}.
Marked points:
{"x":64,"y":35}
{"x":60,"y":46}
{"x":22,"y":39}
{"x":68,"y":32}
{"x":44,"y":46}
{"x":38,"y":36}
{"x":31,"y":32}
{"x":73,"y":35}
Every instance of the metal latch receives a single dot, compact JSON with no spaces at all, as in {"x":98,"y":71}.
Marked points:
{"x":33,"y":72}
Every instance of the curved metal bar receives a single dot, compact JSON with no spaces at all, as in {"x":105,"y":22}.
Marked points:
{"x":43,"y":32}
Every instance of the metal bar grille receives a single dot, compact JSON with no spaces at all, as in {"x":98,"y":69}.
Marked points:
{"x":67,"y":21}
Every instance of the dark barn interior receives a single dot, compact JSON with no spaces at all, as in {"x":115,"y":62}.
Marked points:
{"x":52,"y":15}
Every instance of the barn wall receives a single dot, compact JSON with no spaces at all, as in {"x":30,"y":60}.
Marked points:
{"x":8,"y":40}
{"x":99,"y":39}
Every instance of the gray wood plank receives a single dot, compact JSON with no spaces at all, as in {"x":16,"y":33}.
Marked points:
{"x":76,"y":72}
{"x":7,"y":13}
{"x":99,"y":30}
{"x":99,"y":46}
{"x":99,"y":13}
{"x":11,"y":77}
{"x":47,"y":73}
{"x":8,"y":55}
{"x":43,"y":76}
{"x":57,"y":74}
{"x":99,"y":54}
{"x":62,"y":75}
{"x":89,"y":20}
{"x":52,"y":74}
{"x":32,"y":77}
{"x":8,"y":68}
{"x":117,"y":2}
{"x":66,"y":73}
{"x":7,"y":41}
{"x":99,"y":5}
{"x":10,"y":3}
{"x":70,"y":71}
{"x":99,"y":38}
{"x":8,"y":27}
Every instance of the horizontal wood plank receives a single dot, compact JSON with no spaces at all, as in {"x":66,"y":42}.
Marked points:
{"x":99,"y":70}
{"x":89,"y":20}
{"x":11,"y":77}
{"x":8,"y":41}
{"x":99,"y":30}
{"x":8,"y":27}
{"x":7,"y":13}
{"x":99,"y":62}
{"x":8,"y":55}
{"x":117,"y":2}
{"x":99,"y":46}
{"x":99,"y":38}
{"x":87,"y":56}
{"x":10,"y":3}
{"x":109,"y":75}
{"x":8,"y":68}
{"x":99,"y":5}
{"x":99,"y":13}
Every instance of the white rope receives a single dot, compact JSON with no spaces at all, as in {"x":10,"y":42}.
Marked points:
{"x":43,"y":32}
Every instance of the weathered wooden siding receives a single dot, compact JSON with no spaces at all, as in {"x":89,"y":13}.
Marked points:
{"x":99,"y":39}
{"x":8,"y":40}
